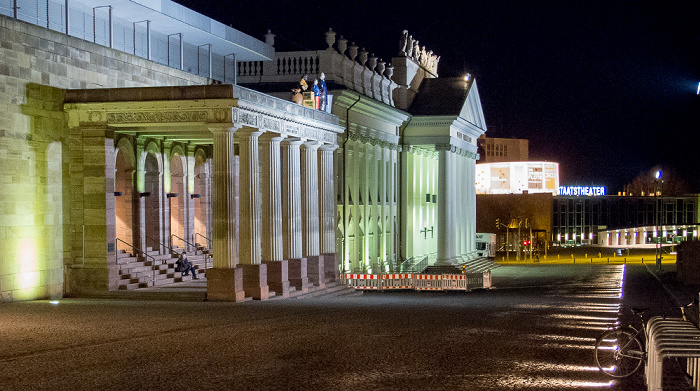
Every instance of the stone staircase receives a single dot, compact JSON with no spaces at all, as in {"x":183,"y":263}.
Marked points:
{"x":138,"y":272}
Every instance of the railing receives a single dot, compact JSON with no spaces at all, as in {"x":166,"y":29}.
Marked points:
{"x":172,"y":251}
{"x":183,"y":240}
{"x":409,"y":265}
{"x":422,"y":265}
{"x":143,"y":253}
{"x":208,"y":241}
{"x":191,"y":244}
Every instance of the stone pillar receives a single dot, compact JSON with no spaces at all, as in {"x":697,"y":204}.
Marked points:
{"x":327,"y":212}
{"x":272,"y":251}
{"x":291,"y":212}
{"x":309,"y":213}
{"x":254,"y":271}
{"x":140,"y":202}
{"x":224,"y":280}
{"x":445,"y":207}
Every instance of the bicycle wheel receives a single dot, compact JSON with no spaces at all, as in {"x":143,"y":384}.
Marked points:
{"x":618,"y":352}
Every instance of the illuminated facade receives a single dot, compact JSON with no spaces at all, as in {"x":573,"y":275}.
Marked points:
{"x":494,"y":149}
{"x":517,"y":178}
{"x":99,"y":175}
{"x":406,"y":162}
{"x":581,"y":219}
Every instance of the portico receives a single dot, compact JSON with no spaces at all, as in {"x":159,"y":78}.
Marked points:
{"x":223,"y":167}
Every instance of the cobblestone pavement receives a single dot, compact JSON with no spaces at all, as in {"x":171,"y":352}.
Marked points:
{"x":535,"y":331}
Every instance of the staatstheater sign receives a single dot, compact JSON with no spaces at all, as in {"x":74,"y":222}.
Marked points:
{"x":581,"y":190}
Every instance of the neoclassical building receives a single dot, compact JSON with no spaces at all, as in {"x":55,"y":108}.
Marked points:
{"x":406,"y":160}
{"x":117,"y":155}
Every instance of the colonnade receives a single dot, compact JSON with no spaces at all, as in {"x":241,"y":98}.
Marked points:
{"x":286,"y":230}
{"x":456,"y":205}
{"x":368,"y":214}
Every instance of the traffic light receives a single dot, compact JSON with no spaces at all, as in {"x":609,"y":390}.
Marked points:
{"x":526,"y":242}
{"x":498,"y":223}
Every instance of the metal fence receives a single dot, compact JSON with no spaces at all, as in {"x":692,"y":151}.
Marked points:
{"x":96,"y":24}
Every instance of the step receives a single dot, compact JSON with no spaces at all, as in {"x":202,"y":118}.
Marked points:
{"x":132,"y":286}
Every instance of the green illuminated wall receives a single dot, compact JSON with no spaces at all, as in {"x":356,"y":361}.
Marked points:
{"x":38,"y":194}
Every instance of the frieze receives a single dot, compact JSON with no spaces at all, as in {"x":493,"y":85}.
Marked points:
{"x":248,"y":118}
{"x":271,"y":124}
{"x":291,"y":129}
{"x":157,"y":117}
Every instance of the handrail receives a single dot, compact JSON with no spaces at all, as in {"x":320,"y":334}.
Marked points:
{"x":193,"y":245}
{"x":172,"y":251}
{"x":185,"y":241}
{"x":153,"y":260}
{"x":209,"y":242}
{"x":422,"y":265}
{"x":406,"y":265}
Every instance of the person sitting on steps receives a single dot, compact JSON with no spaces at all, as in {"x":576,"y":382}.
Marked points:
{"x":183,"y":265}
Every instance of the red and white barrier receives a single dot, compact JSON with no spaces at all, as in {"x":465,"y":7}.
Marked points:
{"x":363,"y":281}
{"x":428,"y":282}
{"x":420,"y":282}
{"x":397,"y":281}
{"x":454,"y":282}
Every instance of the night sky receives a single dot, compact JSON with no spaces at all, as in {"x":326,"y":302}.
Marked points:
{"x":605,"y":88}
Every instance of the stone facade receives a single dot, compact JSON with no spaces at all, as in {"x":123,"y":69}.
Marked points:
{"x":44,"y":174}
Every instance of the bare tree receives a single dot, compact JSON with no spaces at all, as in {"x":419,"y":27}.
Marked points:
{"x":646,"y":183}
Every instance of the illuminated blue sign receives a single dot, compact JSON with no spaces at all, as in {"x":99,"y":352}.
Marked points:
{"x":581,"y":190}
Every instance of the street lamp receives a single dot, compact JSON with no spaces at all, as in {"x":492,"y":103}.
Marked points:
{"x":659,"y":209}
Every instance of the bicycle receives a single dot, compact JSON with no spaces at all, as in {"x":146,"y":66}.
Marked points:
{"x":620,"y":351}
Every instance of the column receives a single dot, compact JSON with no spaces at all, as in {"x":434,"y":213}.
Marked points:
{"x":224,"y":280}
{"x":471,"y":205}
{"x":445,"y":209}
{"x":254,"y":271}
{"x":291,"y":212}
{"x":327,"y":212}
{"x":309,"y":213}
{"x":272,"y":251}
{"x":188,"y":190}
{"x":140,"y":237}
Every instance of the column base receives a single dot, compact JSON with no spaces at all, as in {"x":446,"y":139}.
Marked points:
{"x":278,"y":277}
{"x":316,"y":274}
{"x":224,"y":284}
{"x":298,"y":274}
{"x":330,"y":268}
{"x":255,"y":281}
{"x":446,"y":261}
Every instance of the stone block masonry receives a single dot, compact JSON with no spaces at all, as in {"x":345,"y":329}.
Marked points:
{"x":44,"y":172}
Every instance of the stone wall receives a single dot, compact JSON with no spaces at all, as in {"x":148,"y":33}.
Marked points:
{"x":40,"y":239}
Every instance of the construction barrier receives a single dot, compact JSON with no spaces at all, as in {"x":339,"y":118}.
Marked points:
{"x":397,"y":281}
{"x":363,"y":281}
{"x":454,"y":282}
{"x":420,"y":282}
{"x":428,"y":282}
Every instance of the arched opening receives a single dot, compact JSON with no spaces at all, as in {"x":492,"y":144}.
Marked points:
{"x":176,"y":198}
{"x":202,"y":234}
{"x":124,"y":192}
{"x":152,"y":203}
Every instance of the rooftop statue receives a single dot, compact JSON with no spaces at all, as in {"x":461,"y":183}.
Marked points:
{"x":402,"y":43}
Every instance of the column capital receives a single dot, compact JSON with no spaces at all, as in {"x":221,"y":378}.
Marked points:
{"x":247,"y":131}
{"x":272,"y":136}
{"x":223,"y":128}
{"x":312,"y":144}
{"x":293,"y":141}
{"x":328,"y":147}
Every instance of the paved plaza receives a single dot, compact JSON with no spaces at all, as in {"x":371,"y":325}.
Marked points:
{"x":534,"y":330}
